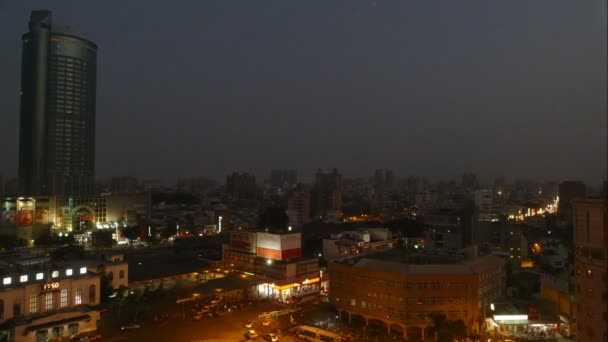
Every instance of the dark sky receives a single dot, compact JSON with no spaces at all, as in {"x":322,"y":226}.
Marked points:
{"x":429,"y":88}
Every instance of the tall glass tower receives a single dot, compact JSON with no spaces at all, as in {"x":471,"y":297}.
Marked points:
{"x":57,"y":128}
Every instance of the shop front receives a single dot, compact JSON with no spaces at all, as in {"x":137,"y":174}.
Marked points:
{"x":521,"y":327}
{"x":290,"y":291}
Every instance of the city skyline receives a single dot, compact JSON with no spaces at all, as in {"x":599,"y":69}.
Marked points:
{"x":434,"y":96}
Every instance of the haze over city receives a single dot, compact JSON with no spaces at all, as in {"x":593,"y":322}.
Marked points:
{"x":433,"y":89}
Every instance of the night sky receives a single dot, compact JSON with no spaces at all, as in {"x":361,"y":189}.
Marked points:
{"x":428,"y":88}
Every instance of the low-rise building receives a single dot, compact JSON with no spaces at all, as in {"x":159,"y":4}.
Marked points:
{"x":50,"y":303}
{"x":401,"y":292}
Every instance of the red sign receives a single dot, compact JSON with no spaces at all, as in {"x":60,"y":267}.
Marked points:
{"x":26,"y":217}
{"x":533,"y":314}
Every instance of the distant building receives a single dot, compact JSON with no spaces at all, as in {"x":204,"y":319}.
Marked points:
{"x":357,"y":243}
{"x":326,"y":198}
{"x":590,"y":220}
{"x":241,"y":186}
{"x":1,"y":186}
{"x":401,"y":292}
{"x":298,"y":206}
{"x":484,"y":202}
{"x":281,"y":178}
{"x":58,"y":94}
{"x":470,"y":181}
{"x":124,"y":185}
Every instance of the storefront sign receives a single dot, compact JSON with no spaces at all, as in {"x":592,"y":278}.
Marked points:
{"x":50,"y":287}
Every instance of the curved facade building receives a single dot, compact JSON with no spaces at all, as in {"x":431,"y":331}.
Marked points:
{"x":57,"y":133}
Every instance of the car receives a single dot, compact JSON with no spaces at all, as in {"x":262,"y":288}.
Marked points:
{"x":130,"y":326}
{"x":271,"y":337}
{"x":251,"y":334}
{"x":197,"y":317}
{"x":205,"y":309}
{"x":248,"y":324}
{"x":266,"y":322}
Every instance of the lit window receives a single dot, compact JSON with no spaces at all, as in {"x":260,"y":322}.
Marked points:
{"x":78,"y":298}
{"x":64,"y":298}
{"x":6,"y":281}
{"x":83,"y":270}
{"x":589,"y":273}
{"x":39,"y":276}
{"x":49,"y":301}
{"x":23,"y":278}
{"x":33,"y":303}
{"x":68,"y":272}
{"x":55,"y":274}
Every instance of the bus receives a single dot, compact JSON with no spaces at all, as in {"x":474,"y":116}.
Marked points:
{"x":313,"y":334}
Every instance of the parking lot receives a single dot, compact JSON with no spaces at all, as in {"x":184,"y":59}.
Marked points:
{"x":229,"y":326}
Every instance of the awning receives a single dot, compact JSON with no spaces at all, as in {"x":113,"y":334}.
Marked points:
{"x":59,"y":322}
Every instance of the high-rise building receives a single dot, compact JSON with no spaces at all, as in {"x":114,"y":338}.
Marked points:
{"x":298,"y":206}
{"x":57,"y":128}
{"x":327,"y":195}
{"x":590,"y":218}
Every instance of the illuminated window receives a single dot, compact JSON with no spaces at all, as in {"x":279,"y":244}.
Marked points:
{"x":83,"y":270}
{"x":33,"y":303}
{"x":23,"y":278}
{"x":353,"y":302}
{"x":48,"y":302}
{"x":6,"y":281}
{"x":68,"y":272}
{"x":55,"y":274}
{"x":589,"y":273}
{"x":78,"y":297}
{"x":64,"y":298}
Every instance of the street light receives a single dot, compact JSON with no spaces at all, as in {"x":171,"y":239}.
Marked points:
{"x":269,"y":261}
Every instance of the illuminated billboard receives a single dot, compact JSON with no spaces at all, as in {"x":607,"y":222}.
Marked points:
{"x":25,"y":210}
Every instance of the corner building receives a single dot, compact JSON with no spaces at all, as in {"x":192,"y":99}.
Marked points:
{"x":58,"y":94}
{"x":400,"y":295}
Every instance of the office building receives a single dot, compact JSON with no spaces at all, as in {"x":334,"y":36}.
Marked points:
{"x":590,"y":218}
{"x":57,"y":128}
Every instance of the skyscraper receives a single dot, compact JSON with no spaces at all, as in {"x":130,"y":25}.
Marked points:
{"x":57,"y":128}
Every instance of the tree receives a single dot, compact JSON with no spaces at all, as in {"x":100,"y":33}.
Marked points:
{"x":105,"y":288}
{"x":274,"y":218}
{"x":446,"y":330}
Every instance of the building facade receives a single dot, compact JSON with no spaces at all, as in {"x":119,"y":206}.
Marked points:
{"x":401,"y":296}
{"x":590,"y":218}
{"x":298,"y":206}
{"x":326,"y":199}
{"x":58,"y":89}
{"x":51,"y":304}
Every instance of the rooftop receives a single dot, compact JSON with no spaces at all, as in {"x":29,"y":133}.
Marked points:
{"x":397,"y":261}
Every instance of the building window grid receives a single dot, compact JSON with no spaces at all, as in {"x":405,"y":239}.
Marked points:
{"x":33,"y":303}
{"x":48,"y":303}
{"x":64,"y":298}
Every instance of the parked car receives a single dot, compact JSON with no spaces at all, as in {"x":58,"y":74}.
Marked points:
{"x":271,"y":337}
{"x":130,"y":326}
{"x":266,"y":322}
{"x":251,"y":334}
{"x":248,"y":324}
{"x":197,"y":317}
